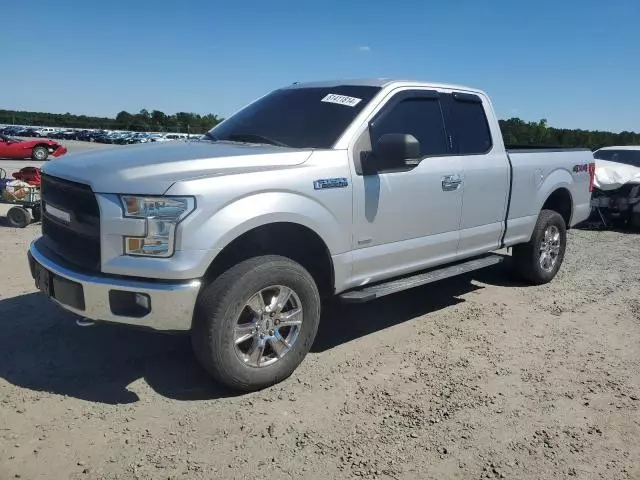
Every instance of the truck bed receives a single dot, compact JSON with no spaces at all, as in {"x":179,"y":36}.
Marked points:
{"x":535,"y":173}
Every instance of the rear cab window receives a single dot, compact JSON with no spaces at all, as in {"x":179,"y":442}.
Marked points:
{"x":466,"y":123}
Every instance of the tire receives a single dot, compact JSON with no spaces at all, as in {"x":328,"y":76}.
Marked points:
{"x":223,"y":304}
{"x":528,"y":257}
{"x":40,"y":154}
{"x":18,"y":217}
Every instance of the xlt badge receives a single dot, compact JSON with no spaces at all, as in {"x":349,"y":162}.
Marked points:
{"x":330,"y":183}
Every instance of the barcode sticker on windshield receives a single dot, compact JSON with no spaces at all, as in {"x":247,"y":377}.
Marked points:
{"x":341,"y":100}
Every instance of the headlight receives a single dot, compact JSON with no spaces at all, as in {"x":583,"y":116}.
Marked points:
{"x":163,"y":215}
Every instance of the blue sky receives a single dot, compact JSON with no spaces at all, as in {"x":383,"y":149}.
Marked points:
{"x":572,"y":62}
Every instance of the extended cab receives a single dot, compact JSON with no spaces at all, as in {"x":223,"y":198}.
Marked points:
{"x":356,"y":189}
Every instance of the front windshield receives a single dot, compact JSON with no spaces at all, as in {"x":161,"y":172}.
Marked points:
{"x":628,"y":157}
{"x":305,"y":117}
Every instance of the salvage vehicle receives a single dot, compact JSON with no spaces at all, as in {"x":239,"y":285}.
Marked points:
{"x":352,"y":189}
{"x":616,"y":196}
{"x":39,"y":150}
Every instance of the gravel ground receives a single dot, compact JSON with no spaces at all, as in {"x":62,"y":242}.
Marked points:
{"x":476,"y":377}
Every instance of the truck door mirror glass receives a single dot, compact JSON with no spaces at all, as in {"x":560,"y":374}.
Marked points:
{"x":392,"y":151}
{"x":398,"y":146}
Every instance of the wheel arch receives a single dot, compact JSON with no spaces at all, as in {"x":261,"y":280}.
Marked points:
{"x":39,"y":145}
{"x":560,"y":200}
{"x":288,"y":239}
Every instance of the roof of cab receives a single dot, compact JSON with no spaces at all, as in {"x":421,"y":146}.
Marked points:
{"x":380,"y":82}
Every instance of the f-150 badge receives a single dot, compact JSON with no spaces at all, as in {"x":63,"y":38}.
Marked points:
{"x":330,"y":183}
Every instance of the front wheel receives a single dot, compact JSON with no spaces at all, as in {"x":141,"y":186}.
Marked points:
{"x":539,"y":260}
{"x":256,"y":322}
{"x":40,"y":154}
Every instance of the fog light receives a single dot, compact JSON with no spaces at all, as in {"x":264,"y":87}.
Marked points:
{"x":143,"y":300}
{"x":129,"y":304}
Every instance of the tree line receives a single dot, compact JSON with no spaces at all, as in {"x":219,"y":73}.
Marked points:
{"x":514,"y":130}
{"x":143,"y":121}
{"x":518,"y":132}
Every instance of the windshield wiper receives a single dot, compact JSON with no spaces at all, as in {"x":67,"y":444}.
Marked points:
{"x":255,"y":138}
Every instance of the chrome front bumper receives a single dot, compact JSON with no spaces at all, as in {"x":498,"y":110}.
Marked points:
{"x":170,"y":304}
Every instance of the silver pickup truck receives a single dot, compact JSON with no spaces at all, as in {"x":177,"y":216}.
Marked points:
{"x":352,"y":189}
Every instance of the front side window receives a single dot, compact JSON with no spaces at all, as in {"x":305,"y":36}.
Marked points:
{"x":299,"y":117}
{"x":420,"y":117}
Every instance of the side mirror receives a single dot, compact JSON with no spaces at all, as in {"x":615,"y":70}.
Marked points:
{"x":391,"y":151}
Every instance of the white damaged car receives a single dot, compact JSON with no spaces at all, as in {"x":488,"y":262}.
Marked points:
{"x":616,"y":195}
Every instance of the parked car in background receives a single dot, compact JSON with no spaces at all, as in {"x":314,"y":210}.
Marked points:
{"x":141,"y":138}
{"x":45,"y":131}
{"x":65,"y":135}
{"x":91,"y":135}
{"x":29,"y":132}
{"x":117,"y":137}
{"x":39,"y":150}
{"x":175,"y":136}
{"x":616,"y":197}
{"x":10,"y":130}
{"x":157,"y":137}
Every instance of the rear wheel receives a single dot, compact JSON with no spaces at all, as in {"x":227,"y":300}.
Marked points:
{"x":539,"y":260}
{"x":256,"y":322}
{"x":40,"y":153}
{"x":18,"y":217}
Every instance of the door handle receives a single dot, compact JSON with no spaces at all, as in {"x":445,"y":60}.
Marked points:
{"x":451,"y":182}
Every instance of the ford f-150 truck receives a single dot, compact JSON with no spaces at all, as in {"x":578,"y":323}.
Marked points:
{"x":353,"y":189}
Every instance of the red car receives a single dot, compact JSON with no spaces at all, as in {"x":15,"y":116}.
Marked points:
{"x":38,"y":149}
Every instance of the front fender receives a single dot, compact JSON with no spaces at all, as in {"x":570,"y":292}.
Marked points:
{"x":215,"y":232}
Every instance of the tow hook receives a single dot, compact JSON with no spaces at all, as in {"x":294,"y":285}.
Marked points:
{"x":84,"y":322}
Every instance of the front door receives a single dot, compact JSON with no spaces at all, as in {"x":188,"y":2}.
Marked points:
{"x":407,"y":218}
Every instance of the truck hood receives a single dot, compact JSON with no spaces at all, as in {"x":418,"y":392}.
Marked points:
{"x":613,"y":175}
{"x":151,"y":168}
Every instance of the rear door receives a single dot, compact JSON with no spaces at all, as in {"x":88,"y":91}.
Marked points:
{"x":485,"y":171}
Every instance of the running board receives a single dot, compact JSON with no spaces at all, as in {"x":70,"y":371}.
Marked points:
{"x":371,"y":292}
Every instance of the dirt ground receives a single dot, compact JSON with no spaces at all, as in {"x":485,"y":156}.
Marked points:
{"x":476,"y":377}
